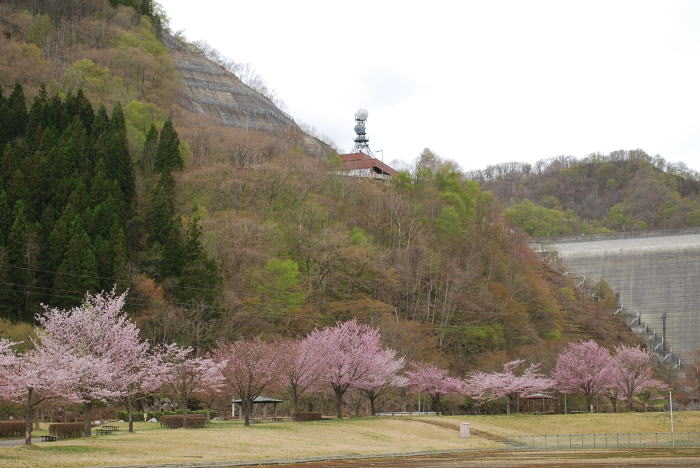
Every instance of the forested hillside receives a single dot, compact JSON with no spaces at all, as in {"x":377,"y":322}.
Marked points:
{"x":220,"y":232}
{"x":622,"y":191}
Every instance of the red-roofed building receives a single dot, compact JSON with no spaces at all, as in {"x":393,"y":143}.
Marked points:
{"x":363,"y":165}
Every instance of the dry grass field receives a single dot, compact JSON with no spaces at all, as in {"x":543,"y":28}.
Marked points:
{"x":229,"y":441}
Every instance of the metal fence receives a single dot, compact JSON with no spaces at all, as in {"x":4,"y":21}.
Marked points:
{"x":599,"y":441}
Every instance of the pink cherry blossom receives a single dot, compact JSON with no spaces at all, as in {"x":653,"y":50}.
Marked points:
{"x":510,"y":383}
{"x":347,"y":351}
{"x":183,"y":374}
{"x":249,"y":368}
{"x":384,"y":373}
{"x":583,"y":367}
{"x":433,"y":380}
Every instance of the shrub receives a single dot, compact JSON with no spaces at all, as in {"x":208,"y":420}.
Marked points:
{"x":12,"y":428}
{"x":63,"y":430}
{"x":173,"y":421}
{"x":309,"y":417}
{"x":138,"y":415}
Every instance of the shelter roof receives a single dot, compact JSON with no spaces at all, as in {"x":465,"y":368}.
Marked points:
{"x":261,"y":399}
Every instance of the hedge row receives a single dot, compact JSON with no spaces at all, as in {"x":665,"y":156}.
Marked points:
{"x":309,"y":417}
{"x":176,"y":421}
{"x":12,"y":428}
{"x":64,"y":430}
{"x":138,"y":416}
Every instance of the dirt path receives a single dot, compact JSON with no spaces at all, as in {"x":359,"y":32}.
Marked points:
{"x":511,"y":459}
{"x":472,"y":431}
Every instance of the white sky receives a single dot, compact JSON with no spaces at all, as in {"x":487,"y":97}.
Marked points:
{"x":479,"y":82}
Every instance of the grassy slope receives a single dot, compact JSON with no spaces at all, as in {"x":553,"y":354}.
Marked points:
{"x":232,"y":441}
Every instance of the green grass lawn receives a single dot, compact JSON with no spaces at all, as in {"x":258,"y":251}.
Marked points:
{"x":230,"y":440}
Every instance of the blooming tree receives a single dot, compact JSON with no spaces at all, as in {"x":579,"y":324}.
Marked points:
{"x":633,"y":372}
{"x":583,"y":367}
{"x":508,"y":382}
{"x":184,"y":374}
{"x":301,"y":368}
{"x":30,"y":378}
{"x":430,"y":379}
{"x":93,"y":343}
{"x":248,"y":368}
{"x":348,"y":351}
{"x":384,"y":373}
{"x":141,"y":374}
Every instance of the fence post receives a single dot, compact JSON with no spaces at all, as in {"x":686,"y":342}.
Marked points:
{"x":570,"y":441}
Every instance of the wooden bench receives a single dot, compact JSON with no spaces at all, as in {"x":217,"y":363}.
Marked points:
{"x":48,"y":438}
{"x":111,"y":428}
{"x":103,"y":431}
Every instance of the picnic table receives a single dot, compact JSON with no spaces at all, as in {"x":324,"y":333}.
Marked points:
{"x":103,"y":431}
{"x":111,"y":428}
{"x":48,"y":438}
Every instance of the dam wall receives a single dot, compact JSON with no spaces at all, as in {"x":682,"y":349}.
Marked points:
{"x":653,"y":275}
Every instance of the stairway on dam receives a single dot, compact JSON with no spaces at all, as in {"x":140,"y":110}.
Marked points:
{"x":653,"y":273}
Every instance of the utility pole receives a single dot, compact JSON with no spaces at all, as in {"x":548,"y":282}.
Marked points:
{"x":673,"y":432}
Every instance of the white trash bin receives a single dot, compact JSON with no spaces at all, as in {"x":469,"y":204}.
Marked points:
{"x":464,"y":430}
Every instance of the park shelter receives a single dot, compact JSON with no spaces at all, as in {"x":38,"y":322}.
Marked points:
{"x":261,"y":402}
{"x":539,"y":403}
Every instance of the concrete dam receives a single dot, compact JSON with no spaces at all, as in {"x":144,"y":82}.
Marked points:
{"x":655,"y":273}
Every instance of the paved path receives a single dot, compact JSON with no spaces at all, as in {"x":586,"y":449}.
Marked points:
{"x":16,"y":442}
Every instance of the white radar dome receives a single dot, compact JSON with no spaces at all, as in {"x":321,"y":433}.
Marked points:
{"x":361,"y":114}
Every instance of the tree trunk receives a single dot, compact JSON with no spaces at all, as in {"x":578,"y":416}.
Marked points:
{"x":614,"y":404}
{"x":507,"y":405}
{"x":294,"y":402}
{"x":371,"y":397}
{"x":246,"y":406}
{"x":339,"y":402}
{"x":88,"y":419}
{"x":435,"y":402}
{"x":184,"y":412}
{"x":28,"y":419}
{"x":589,"y":402}
{"x":130,"y":410}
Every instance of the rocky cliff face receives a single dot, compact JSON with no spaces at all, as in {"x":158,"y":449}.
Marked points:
{"x":209,"y":89}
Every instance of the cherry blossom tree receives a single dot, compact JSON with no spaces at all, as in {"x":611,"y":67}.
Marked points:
{"x":30,"y":378}
{"x":183,"y":374}
{"x":347,"y":351}
{"x":509,"y":382}
{"x":141,"y":374}
{"x":583,"y":367}
{"x":96,"y":341}
{"x":633,"y":372}
{"x":384,"y":373}
{"x":301,"y":368}
{"x":249,"y":368}
{"x":430,"y":379}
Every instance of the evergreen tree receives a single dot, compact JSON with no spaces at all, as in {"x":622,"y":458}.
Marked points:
{"x":16,"y":113}
{"x":6,"y":218}
{"x":173,"y":259}
{"x":147,"y":163}
{"x":168,"y":155}
{"x":160,"y":218}
{"x":101,"y":123}
{"x":77,"y":105}
{"x":200,"y":274}
{"x":59,"y":237}
{"x":21,"y":258}
{"x":78,"y":271}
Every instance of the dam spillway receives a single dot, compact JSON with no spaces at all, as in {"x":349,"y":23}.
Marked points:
{"x":652,"y":272}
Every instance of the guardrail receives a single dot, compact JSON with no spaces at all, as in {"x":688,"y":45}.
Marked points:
{"x":599,"y":441}
{"x":615,"y":236}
